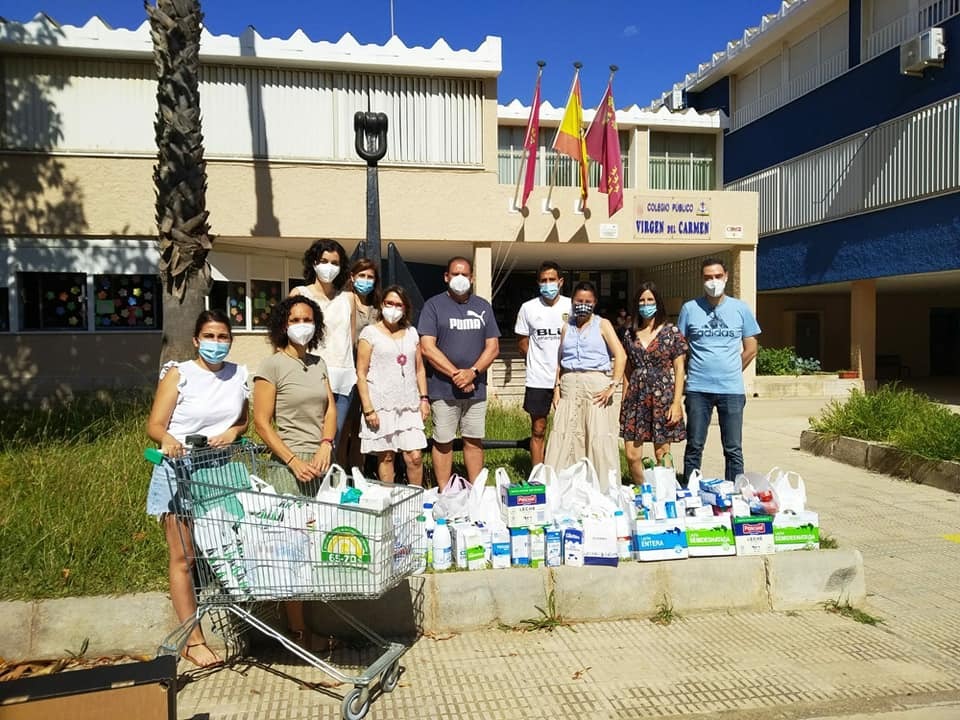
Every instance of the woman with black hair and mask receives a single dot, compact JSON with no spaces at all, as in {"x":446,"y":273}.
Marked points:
{"x":586,"y":420}
{"x":324,"y":274}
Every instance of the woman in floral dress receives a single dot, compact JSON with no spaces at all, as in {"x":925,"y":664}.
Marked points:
{"x":652,"y":406}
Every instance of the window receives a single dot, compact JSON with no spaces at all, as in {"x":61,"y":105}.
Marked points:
{"x":264,"y":294}
{"x":552,"y":168}
{"x":52,"y":301}
{"x":4,"y":309}
{"x":126,"y":301}
{"x":682,"y":161}
{"x":231,"y":297}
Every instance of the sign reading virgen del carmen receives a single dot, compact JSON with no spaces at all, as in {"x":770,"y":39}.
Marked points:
{"x":666,"y":218}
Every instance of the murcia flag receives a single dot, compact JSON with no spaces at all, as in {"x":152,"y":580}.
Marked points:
{"x":603,"y":144}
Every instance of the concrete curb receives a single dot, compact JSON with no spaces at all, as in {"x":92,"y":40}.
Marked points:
{"x":880,"y":458}
{"x":462,"y":601}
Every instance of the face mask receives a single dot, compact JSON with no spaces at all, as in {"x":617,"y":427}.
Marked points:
{"x":301,"y":333}
{"x":392,"y":314}
{"x":714,"y":288}
{"x":214,"y":352}
{"x":327,"y":272}
{"x":459,"y":284}
{"x":582,"y":310}
{"x":647,"y":311}
{"x":549,"y":290}
{"x":362,"y":285}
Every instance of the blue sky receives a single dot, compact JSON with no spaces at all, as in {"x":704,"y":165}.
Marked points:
{"x":654,"y":43}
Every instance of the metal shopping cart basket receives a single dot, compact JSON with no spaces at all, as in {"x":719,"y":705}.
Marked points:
{"x":251,"y":544}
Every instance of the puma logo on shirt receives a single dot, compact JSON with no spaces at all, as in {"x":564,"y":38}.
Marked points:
{"x":473,"y":321}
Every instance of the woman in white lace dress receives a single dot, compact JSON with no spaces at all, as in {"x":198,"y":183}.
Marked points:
{"x":392,"y":384}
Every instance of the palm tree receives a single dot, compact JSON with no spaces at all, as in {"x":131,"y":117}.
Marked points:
{"x":180,"y":175}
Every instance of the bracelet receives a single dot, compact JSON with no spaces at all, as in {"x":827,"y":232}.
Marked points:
{"x":425,"y":397}
{"x":327,"y":440}
{"x":292,"y":458}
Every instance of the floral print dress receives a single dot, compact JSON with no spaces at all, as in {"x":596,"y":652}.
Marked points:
{"x":643,"y":411}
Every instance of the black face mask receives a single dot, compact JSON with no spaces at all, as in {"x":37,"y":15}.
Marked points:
{"x":582,"y":310}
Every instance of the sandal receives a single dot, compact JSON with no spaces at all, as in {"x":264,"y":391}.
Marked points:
{"x":190,"y":655}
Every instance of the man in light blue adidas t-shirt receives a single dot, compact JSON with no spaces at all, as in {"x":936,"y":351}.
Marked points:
{"x":722,"y":336}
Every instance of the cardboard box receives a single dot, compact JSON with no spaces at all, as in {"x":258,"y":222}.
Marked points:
{"x":716,"y":492}
{"x":660,"y":540}
{"x":796,"y":531}
{"x":710,"y":536}
{"x":573,"y":546}
{"x":753,"y":534}
{"x":468,"y":550}
{"x":600,"y":542}
{"x":520,"y":546}
{"x":523,"y":505}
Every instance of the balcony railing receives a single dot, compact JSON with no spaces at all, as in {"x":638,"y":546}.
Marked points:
{"x":554,"y":169}
{"x":930,"y":14}
{"x":801,"y":85}
{"x":902,"y":160}
{"x":689,"y":173}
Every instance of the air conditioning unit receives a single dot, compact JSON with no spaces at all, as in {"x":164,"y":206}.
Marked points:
{"x":922,"y":51}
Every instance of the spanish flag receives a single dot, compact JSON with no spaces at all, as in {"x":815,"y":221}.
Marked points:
{"x":569,"y":140}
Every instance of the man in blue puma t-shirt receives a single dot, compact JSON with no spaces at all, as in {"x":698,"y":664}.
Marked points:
{"x":722,"y":335}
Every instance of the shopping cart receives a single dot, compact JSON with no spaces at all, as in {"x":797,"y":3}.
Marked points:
{"x":252,"y":545}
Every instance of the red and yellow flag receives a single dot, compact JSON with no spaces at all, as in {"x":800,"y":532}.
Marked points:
{"x":603,"y":144}
{"x":530,"y":142}
{"x":569,"y":140}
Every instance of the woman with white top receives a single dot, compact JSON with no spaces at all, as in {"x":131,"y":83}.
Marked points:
{"x":324,"y":275}
{"x":587,"y":420}
{"x":392,"y":384}
{"x":204,"y":396}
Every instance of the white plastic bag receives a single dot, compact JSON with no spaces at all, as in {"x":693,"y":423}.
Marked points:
{"x":577,"y":486}
{"x":545,"y":475}
{"x":260,"y":500}
{"x":694,"y":480}
{"x":792,"y":497}
{"x":665,"y":483}
{"x":333,"y":484}
{"x":453,"y":502}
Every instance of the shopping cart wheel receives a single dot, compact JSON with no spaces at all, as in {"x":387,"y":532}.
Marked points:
{"x":388,"y":681}
{"x":356,"y":704}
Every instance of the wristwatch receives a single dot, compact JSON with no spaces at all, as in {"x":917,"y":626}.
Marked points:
{"x":476,"y":372}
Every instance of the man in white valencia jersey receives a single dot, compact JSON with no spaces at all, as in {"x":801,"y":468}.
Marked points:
{"x":538,"y":327}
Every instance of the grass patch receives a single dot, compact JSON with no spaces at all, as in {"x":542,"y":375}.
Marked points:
{"x":550,"y":618}
{"x":665,"y":613}
{"x":897,"y":416}
{"x":848,"y":611}
{"x":73,"y":518}
{"x":828,"y":542}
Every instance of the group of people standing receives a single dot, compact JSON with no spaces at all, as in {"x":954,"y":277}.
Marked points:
{"x":348,"y":363}
{"x":668,"y":373}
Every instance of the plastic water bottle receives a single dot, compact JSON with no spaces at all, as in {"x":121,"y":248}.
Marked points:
{"x":442,"y":546}
{"x":428,"y":527}
{"x":420,"y":546}
{"x":623,"y":535}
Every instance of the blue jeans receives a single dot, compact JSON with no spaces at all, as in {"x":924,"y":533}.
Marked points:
{"x":699,"y":407}
{"x":343,"y":405}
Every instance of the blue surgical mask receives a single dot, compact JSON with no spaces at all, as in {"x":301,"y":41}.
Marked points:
{"x":549,"y":290}
{"x":363,"y":285}
{"x":647,"y":311}
{"x":214,"y":352}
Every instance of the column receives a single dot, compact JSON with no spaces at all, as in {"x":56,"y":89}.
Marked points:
{"x":863,"y":331}
{"x":483,"y":271}
{"x":745,"y":288}
{"x":640,"y":160}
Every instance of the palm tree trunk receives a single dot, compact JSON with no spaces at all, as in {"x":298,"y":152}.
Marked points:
{"x":180,"y":175}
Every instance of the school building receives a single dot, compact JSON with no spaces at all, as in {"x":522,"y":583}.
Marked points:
{"x":80,"y":305}
{"x":845,"y":119}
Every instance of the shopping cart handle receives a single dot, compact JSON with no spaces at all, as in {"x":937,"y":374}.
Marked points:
{"x":153,"y":455}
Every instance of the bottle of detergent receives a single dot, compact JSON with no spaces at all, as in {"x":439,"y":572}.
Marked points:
{"x":442,"y":546}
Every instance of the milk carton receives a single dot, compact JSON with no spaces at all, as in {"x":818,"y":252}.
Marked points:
{"x":660,"y":540}
{"x":717,"y":492}
{"x":468,"y":553}
{"x":500,"y":547}
{"x":753,"y":535}
{"x":796,"y":531}
{"x":554,"y":542}
{"x":524,"y":504}
{"x":538,"y":547}
{"x":520,"y":546}
{"x":573,"y":546}
{"x":710,"y":536}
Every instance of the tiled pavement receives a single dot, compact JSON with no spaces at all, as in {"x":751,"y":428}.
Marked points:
{"x":734,"y":665}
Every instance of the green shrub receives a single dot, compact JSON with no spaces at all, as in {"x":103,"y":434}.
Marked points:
{"x":898,"y":416}
{"x":784,"y":361}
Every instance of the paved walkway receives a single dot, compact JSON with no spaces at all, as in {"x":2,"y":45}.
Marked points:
{"x":810,"y":664}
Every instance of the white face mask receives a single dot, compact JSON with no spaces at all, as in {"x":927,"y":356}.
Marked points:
{"x":327,"y":272}
{"x":392,"y":314}
{"x":714,"y":288}
{"x":459,"y":284}
{"x":301,"y":333}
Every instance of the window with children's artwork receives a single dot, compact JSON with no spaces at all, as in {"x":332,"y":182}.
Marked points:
{"x":231,"y":297}
{"x":122,"y":302}
{"x":52,"y":301}
{"x":4,"y":309}
{"x":264,"y":294}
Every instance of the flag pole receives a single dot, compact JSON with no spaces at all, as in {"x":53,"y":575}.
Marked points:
{"x":553,"y":175}
{"x":526,"y":153}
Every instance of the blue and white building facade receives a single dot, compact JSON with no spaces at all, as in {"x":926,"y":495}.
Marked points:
{"x":845,"y":118}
